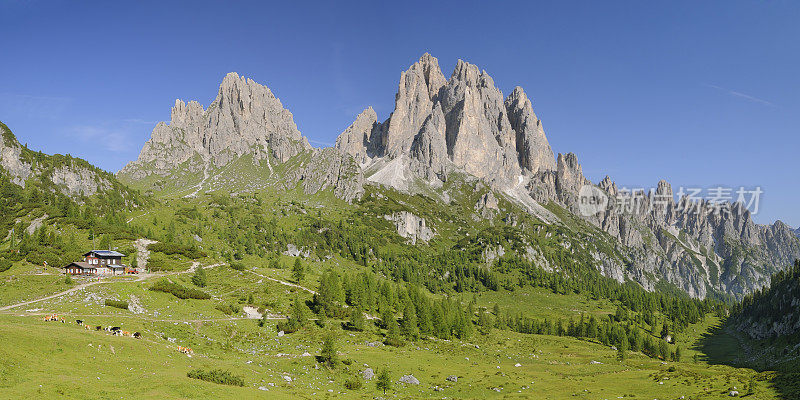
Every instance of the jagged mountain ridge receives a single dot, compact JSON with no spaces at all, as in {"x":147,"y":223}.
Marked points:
{"x":461,"y":126}
{"x":65,"y":174}
{"x":464,"y":124}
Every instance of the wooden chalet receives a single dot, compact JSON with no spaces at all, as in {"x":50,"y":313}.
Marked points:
{"x":98,"y":262}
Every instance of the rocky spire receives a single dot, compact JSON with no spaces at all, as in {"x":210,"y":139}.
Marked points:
{"x":533,"y":149}
{"x":355,"y":140}
{"x":418,"y":88}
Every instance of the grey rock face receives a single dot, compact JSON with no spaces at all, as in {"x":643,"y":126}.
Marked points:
{"x":533,"y":149}
{"x":245,"y":118}
{"x":696,"y":249}
{"x":463,"y":124}
{"x":72,"y":178}
{"x":411,"y":226}
{"x":329,"y":168}
{"x":356,"y":139}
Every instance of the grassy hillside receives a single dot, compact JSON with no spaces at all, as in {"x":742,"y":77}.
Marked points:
{"x":485,"y":294}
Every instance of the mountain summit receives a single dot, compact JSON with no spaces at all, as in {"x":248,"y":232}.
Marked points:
{"x":244,"y":118}
{"x":462,"y":124}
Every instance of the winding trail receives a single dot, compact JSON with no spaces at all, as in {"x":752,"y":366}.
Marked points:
{"x":199,"y":186}
{"x":52,"y":296}
{"x":82,"y":286}
{"x":283,"y":282}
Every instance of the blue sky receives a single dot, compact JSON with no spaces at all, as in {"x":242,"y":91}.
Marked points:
{"x":698,"y":93}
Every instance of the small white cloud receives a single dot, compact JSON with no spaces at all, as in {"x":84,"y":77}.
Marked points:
{"x":114,"y":140}
{"x":741,"y":95}
{"x":320,"y":142}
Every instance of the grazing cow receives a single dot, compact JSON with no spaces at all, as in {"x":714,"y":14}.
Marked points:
{"x":185,"y":350}
{"x":98,"y":328}
{"x":79,"y":322}
{"x":126,"y":333}
{"x":137,"y":335}
{"x":87,"y":327}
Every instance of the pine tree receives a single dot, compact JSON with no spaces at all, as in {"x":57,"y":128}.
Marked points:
{"x":408,"y":324}
{"x":328,"y":352}
{"x":393,"y":334}
{"x":384,"y":381}
{"x":298,"y":272}
{"x":298,"y":319}
{"x":199,"y":278}
{"x":622,"y":348}
{"x":357,"y":320}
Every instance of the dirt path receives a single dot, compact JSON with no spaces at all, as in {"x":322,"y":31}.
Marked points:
{"x":52,"y":296}
{"x":142,"y":254}
{"x":36,"y":223}
{"x":283,"y":282}
{"x":199,"y":186}
{"x":137,"y":216}
{"x":139,"y":278}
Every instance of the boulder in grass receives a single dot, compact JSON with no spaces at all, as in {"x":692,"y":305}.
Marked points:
{"x":452,"y":378}
{"x":367,"y":374}
{"x":409,"y":379}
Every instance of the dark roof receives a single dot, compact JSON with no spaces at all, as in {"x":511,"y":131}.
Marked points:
{"x":105,"y":253}
{"x":83,"y":265}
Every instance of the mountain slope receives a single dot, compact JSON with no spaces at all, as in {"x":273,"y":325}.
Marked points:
{"x":463,"y":129}
{"x":770,"y":321}
{"x":55,"y":173}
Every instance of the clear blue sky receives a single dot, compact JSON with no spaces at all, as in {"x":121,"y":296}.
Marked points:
{"x":698,"y":93}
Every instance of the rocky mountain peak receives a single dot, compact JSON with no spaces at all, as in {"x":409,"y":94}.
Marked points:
{"x":460,"y":124}
{"x":533,"y":149}
{"x":356,"y":139}
{"x":244,"y":118}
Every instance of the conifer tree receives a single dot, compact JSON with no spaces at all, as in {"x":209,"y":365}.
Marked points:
{"x":384,"y":381}
{"x":409,"y":325}
{"x":357,"y":320}
{"x":328,"y":352}
{"x":298,"y":272}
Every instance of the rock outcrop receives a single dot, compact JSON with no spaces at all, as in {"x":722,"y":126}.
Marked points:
{"x":464,"y":124}
{"x":71,"y":176}
{"x":690,"y":245}
{"x":411,"y":226}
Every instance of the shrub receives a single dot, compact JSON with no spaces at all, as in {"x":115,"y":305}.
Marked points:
{"x":5,"y":264}
{"x":199,"y":278}
{"x":216,"y":376}
{"x":174,"y":248}
{"x":164,"y":285}
{"x":353,"y":383}
{"x":117,"y":303}
{"x":229,"y":309}
{"x":238,"y":266}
